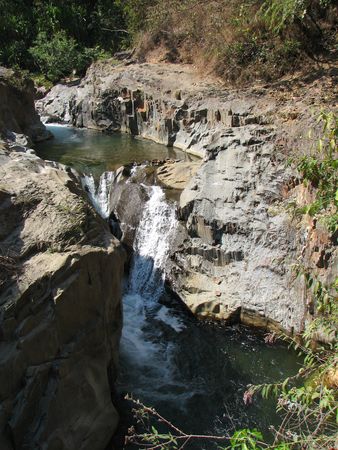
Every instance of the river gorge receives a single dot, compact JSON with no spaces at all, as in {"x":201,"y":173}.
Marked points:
{"x":146,"y":249}
{"x":193,"y":373}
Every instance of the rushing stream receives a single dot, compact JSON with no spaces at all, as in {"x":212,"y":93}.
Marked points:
{"x":194,"y":373}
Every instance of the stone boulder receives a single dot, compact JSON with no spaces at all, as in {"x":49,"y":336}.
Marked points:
{"x":60,"y":310}
{"x":128,"y":194}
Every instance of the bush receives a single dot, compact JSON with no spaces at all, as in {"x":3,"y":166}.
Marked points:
{"x":60,"y":56}
{"x":280,"y":13}
{"x":240,"y":40}
{"x":319,"y":171}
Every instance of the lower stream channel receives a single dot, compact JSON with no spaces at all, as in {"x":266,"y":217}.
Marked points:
{"x":194,"y":373}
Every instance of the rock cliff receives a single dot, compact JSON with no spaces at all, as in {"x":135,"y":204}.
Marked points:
{"x":18,"y":117}
{"x":233,"y":255}
{"x":60,"y":310}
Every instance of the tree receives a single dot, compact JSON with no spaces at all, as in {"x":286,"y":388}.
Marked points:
{"x":58,"y":56}
{"x":35,"y":34}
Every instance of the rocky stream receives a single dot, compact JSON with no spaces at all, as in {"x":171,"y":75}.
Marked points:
{"x":161,"y":195}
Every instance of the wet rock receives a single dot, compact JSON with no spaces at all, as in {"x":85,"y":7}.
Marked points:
{"x":127,"y":194}
{"x":126,"y":203}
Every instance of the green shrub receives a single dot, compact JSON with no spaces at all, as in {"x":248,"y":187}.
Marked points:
{"x":320,"y":172}
{"x":60,"y":55}
{"x":40,"y":80}
{"x":280,"y":13}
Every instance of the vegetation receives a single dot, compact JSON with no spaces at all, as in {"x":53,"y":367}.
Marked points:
{"x":319,"y":171}
{"x":280,"y":14}
{"x":57,"y":37}
{"x":240,"y":40}
{"x":59,"y":56}
{"x":175,"y":438}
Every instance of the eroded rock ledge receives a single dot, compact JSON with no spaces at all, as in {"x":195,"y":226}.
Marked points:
{"x":60,"y":310}
{"x":237,"y":242}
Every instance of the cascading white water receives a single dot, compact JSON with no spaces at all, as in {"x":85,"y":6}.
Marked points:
{"x":151,"y":246}
{"x":99,"y":196}
{"x":145,"y":315}
{"x":194,"y":374}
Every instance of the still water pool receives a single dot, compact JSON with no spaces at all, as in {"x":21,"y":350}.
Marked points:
{"x":90,"y":151}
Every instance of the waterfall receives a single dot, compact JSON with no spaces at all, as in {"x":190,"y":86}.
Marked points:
{"x":99,"y":196}
{"x":153,"y":236}
{"x":151,"y":246}
{"x":145,"y":317}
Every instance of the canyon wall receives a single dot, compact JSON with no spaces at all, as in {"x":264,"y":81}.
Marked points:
{"x":60,"y":320}
{"x":60,"y":299}
{"x":233,"y":256}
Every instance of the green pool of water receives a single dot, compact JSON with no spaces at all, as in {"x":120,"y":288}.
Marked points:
{"x":90,"y":151}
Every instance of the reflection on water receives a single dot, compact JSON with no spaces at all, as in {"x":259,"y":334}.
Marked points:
{"x":90,"y":151}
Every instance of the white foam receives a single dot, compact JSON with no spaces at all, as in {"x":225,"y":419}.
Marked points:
{"x":151,"y":246}
{"x":99,"y":196}
{"x":56,"y":124}
{"x":147,"y":322}
{"x":166,"y":316}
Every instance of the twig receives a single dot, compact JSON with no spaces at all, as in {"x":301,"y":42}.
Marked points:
{"x":117,"y":30}
{"x":184,"y":444}
{"x":181,"y":435}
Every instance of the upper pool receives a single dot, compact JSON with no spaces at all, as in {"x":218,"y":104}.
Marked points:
{"x":90,"y":151}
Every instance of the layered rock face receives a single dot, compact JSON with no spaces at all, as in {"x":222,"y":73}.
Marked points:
{"x":18,"y":118}
{"x":143,"y":100}
{"x":232,"y":258}
{"x":60,"y":310}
